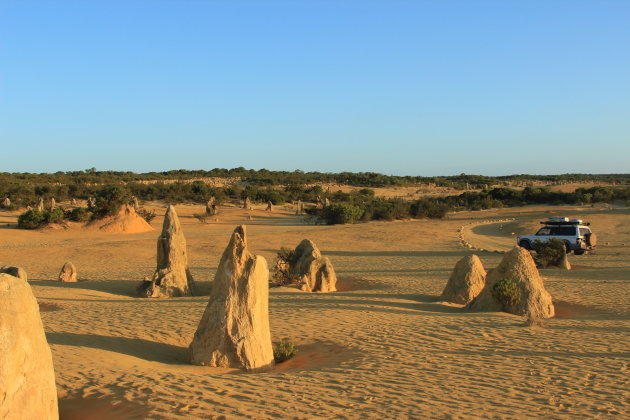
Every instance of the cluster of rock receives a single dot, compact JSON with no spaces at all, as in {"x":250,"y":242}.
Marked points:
{"x":469,"y":285}
{"x":299,"y":207}
{"x":322,"y":202}
{"x":172,"y":276}
{"x":311,"y":269}
{"x":27,"y":376}
{"x":234,"y":329}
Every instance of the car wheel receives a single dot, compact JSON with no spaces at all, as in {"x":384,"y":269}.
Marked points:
{"x":526,"y":245}
{"x":568,"y":247}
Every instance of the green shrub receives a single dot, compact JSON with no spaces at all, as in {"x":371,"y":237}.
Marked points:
{"x":147,"y":215}
{"x":342,"y":213}
{"x":110,"y":199}
{"x":32,"y":219}
{"x":506,"y":292}
{"x":284,"y":350}
{"x":79,"y":214}
{"x":54,"y":216}
{"x":429,"y":208}
{"x":550,"y":252}
{"x":282,"y":267}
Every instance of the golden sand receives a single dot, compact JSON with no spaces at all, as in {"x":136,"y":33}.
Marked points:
{"x":381,"y":347}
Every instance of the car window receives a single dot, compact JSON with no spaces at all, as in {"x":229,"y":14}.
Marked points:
{"x":543,"y":231}
{"x":563,"y":230}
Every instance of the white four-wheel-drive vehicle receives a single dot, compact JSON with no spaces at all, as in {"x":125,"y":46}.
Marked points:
{"x":575,"y":234}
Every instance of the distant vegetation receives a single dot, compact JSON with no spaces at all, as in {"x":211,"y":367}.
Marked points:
{"x":111,"y":189}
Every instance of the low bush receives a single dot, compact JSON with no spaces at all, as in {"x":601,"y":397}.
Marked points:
{"x":507,"y":293}
{"x":54,"y":216}
{"x":282,"y":267}
{"x":110,"y":199}
{"x":33,"y":219}
{"x":79,"y":214}
{"x":342,"y":213}
{"x":284,"y":350}
{"x":549,"y":253}
{"x":147,"y":215}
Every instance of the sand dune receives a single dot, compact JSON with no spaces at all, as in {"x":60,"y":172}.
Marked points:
{"x":381,"y":347}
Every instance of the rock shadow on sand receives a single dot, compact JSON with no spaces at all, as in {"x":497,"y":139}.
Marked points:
{"x":415,"y":304}
{"x":103,"y":408}
{"x":114,"y":287}
{"x":142,"y":349}
{"x":125,"y":288}
{"x":458,"y":253}
{"x":318,"y":355}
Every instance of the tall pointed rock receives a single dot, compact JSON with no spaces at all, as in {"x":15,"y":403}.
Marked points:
{"x":27,"y":376}
{"x":234,"y":329}
{"x":172,"y":276}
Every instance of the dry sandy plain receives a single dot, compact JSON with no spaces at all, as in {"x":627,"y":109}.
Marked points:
{"x":382,"y":347}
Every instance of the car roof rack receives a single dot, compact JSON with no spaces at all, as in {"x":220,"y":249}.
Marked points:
{"x":565,"y":221}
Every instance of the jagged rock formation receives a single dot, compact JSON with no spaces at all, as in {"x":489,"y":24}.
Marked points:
{"x":27,"y":376}
{"x":269,"y":206}
{"x":518,"y":266}
{"x":73,"y":202}
{"x":310,"y":268}
{"x":246,"y":203}
{"x":91,"y":203}
{"x":211,"y":208}
{"x":135,"y":203}
{"x":172,"y":276}
{"x":18,"y":272}
{"x":6,"y":203}
{"x":53,"y":204}
{"x":466,"y":281}
{"x":68,"y":273}
{"x":40,"y":204}
{"x":234,"y":329}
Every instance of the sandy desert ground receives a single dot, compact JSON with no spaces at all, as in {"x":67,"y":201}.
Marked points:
{"x":382,"y":347}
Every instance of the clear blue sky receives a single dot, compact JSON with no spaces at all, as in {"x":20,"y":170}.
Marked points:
{"x":399,"y":87}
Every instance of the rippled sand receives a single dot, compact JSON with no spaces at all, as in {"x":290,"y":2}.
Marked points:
{"x":383,"y":347}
